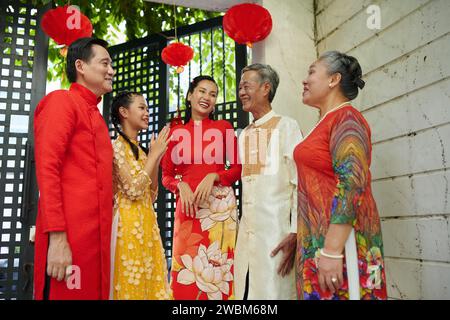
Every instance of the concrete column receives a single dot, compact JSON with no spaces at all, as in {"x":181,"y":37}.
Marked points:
{"x":290,"y":50}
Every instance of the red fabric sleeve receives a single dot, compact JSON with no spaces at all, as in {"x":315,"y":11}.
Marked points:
{"x":54,"y":123}
{"x":230,"y":176}
{"x":168,"y":169}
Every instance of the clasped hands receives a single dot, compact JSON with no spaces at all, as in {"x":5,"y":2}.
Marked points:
{"x":190,"y":201}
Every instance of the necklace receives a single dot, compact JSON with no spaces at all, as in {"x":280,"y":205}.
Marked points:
{"x":324,"y":116}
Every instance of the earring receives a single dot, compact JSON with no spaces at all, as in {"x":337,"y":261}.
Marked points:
{"x":330,"y":85}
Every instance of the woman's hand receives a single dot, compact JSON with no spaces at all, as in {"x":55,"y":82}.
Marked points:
{"x":188,"y":205}
{"x":204,"y":188}
{"x":159,"y":145}
{"x":330,"y":273}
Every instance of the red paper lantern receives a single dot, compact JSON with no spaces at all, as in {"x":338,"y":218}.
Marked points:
{"x":247,"y":23}
{"x":178,"y":55}
{"x":66,"y":24}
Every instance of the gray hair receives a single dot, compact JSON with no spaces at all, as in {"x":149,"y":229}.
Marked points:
{"x":266,"y":74}
{"x":349,"y":69}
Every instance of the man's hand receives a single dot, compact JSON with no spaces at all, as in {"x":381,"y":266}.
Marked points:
{"x":288,"y":246}
{"x":59,"y":256}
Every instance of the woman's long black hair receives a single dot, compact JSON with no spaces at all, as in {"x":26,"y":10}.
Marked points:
{"x":124,"y":99}
{"x":192,"y":85}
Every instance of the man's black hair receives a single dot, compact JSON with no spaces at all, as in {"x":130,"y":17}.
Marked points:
{"x":81,"y":49}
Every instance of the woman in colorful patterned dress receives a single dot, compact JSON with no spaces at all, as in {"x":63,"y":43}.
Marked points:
{"x":138,"y":259}
{"x":335,"y":200}
{"x":193,"y":168}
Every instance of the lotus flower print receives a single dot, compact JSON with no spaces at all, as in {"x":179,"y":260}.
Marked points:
{"x":210,"y":270}
{"x":219,"y":207}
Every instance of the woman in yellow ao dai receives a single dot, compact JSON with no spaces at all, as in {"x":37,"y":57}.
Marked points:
{"x":139,"y":269}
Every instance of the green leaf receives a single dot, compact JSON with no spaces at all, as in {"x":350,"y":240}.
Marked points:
{"x":140,"y":17}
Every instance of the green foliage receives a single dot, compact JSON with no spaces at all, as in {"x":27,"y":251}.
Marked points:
{"x":141,"y":18}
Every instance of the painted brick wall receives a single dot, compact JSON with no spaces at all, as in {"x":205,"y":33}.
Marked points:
{"x":407,"y":103}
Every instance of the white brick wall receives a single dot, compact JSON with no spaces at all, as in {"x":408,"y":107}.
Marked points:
{"x":407,"y":103}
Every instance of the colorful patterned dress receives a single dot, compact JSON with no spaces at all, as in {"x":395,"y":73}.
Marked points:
{"x":334,"y":187}
{"x":140,"y":270}
{"x":203,"y":247}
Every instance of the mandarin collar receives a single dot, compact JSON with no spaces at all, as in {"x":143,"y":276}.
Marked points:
{"x":85,"y":93}
{"x":269,"y":115}
{"x":203,"y":122}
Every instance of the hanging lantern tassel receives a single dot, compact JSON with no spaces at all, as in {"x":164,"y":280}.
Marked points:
{"x":63,"y":51}
{"x":247,"y":23}
{"x":180,"y":69}
{"x":178,"y":55}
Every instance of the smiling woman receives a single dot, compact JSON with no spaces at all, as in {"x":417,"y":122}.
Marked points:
{"x":334,"y":190}
{"x":201,"y":98}
{"x":205,"y":217}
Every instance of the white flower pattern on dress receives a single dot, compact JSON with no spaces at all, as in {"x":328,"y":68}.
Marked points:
{"x":219,"y":207}
{"x":140,"y":269}
{"x":210,"y":270}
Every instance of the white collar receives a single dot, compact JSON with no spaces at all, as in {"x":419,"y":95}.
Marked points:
{"x":264,"y":118}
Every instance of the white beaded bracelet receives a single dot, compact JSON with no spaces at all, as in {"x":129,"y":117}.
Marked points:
{"x":331,"y":256}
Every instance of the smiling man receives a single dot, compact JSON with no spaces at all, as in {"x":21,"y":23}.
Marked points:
{"x":269,"y":192}
{"x":74,"y":172}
